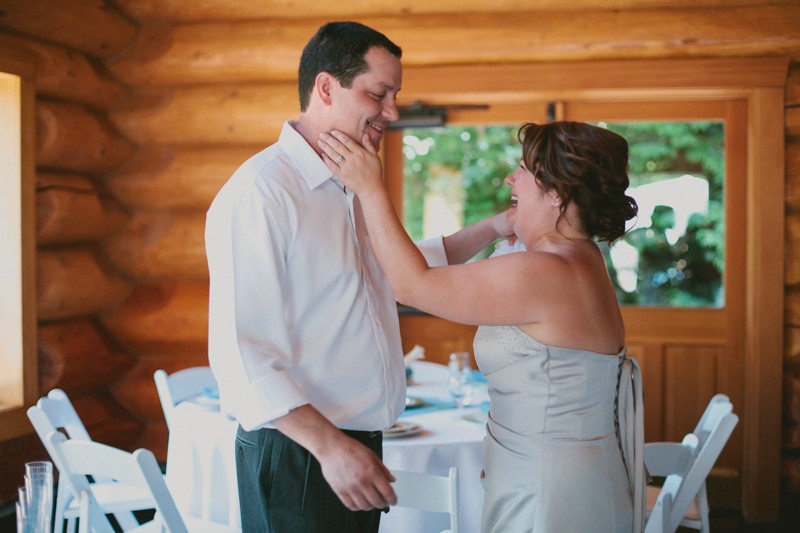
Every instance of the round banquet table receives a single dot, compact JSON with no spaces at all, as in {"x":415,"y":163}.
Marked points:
{"x":448,"y":437}
{"x":201,"y":468}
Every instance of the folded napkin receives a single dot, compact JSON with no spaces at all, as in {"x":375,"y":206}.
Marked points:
{"x":429,"y":405}
{"x":414,"y":354}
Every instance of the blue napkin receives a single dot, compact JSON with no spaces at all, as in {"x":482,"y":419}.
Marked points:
{"x":429,"y":405}
{"x":210,"y":392}
{"x":477,"y":376}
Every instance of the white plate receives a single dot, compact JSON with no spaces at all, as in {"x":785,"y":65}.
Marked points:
{"x":479,"y":417}
{"x":205,"y":401}
{"x":401,"y":429}
{"x":412,"y":402}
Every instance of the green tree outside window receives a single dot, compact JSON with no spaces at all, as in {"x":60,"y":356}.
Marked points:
{"x":673,"y":254}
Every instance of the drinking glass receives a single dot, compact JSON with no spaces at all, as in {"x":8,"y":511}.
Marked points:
{"x":38,"y":507}
{"x":460,"y":378}
{"x":26,"y":522}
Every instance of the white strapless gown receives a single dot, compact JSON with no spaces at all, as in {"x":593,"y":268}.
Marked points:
{"x":553,"y":456}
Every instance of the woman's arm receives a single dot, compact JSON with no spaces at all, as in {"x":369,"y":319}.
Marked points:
{"x":466,"y":242}
{"x":475,"y":293}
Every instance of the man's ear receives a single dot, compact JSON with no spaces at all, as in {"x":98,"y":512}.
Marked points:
{"x":323,"y":86}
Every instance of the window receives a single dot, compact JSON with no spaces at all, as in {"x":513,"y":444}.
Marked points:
{"x":10,"y":240}
{"x":18,"y":377}
{"x":453,"y":176}
{"x":673,"y":254}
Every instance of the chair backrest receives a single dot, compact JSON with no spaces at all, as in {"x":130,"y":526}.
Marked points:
{"x":180,"y":385}
{"x":717,"y":407}
{"x":79,"y":458}
{"x":680,"y":488}
{"x":428,"y":492}
{"x":56,"y":412}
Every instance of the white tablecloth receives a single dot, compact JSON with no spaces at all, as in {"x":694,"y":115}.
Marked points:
{"x":448,"y":439}
{"x":201,"y":469}
{"x":201,"y":463}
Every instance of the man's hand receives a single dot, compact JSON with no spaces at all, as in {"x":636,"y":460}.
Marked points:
{"x":357,"y":475}
{"x":354,"y":472}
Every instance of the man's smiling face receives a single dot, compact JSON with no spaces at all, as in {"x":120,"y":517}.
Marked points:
{"x":369,"y":104}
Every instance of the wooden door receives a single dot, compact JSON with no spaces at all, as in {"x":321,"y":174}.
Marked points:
{"x":689,"y":354}
{"x":686,"y":354}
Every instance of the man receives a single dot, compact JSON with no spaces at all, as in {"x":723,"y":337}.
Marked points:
{"x":303,"y":330}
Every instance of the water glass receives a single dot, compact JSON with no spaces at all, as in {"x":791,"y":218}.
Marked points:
{"x":35,"y":505}
{"x":460,"y":378}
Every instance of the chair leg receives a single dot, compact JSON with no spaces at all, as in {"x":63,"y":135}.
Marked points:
{"x":63,"y":499}
{"x":85,"y":514}
{"x":703,"y":509}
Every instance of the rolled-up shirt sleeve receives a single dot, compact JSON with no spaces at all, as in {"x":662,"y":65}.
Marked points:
{"x":258,"y":244}
{"x":433,"y":251}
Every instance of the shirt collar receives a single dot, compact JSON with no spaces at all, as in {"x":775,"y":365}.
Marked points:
{"x":307,"y":162}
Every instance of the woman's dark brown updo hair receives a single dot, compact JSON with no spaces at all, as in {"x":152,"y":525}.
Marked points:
{"x":585,"y":165}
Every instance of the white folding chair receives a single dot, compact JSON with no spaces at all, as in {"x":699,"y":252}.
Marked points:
{"x":55,"y":412}
{"x":682,"y":499}
{"x":429,"y":492}
{"x":81,"y":458}
{"x":180,"y":385}
{"x":214,"y":493}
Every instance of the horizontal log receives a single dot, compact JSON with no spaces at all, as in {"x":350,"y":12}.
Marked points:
{"x":791,"y":350}
{"x":75,"y":354}
{"x":793,"y":85}
{"x":155,"y":437}
{"x":105,"y":419}
{"x":257,"y":50}
{"x":96,"y":28}
{"x":71,"y":283}
{"x":792,"y":307}
{"x":67,"y":75}
{"x":791,"y":410}
{"x":790,"y":472}
{"x":793,"y":122}
{"x":225,"y":9}
{"x":793,"y":174}
{"x":70,"y":209}
{"x":163,"y":319}
{"x":161,"y":245}
{"x":137,"y":392}
{"x":176,"y":178}
{"x":72,"y":138}
{"x":14,"y":454}
{"x":254,"y":113}
{"x":792,"y":269}
{"x":231,"y":114}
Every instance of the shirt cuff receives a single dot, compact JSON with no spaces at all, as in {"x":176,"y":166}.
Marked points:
{"x":433,"y":251}
{"x":273,"y":397}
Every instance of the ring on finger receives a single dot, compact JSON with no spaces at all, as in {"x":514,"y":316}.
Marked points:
{"x":338,"y":159}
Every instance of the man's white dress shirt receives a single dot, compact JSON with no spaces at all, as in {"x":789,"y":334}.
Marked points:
{"x":299,"y":309}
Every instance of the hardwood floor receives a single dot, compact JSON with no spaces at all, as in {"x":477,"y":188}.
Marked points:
{"x":731,"y":521}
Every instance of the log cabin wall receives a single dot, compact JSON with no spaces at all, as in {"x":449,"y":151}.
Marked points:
{"x":76,"y":145}
{"x":145,"y":107}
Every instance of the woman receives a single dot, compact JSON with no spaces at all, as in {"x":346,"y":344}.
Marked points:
{"x":561,"y":451}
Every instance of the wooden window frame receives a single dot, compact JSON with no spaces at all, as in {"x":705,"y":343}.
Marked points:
{"x":760,"y":82}
{"x":13,"y":421}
